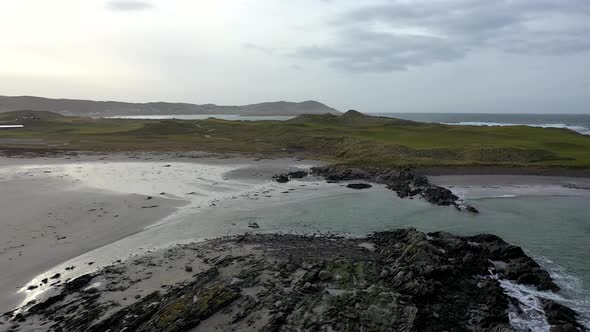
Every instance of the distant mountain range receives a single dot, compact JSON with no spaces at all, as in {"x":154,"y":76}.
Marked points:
{"x":110,"y":108}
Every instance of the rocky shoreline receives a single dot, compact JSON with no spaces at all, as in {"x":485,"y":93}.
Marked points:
{"x":403,"y":181}
{"x":402,"y":280}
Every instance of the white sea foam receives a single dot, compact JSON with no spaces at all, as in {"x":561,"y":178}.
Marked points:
{"x":580,"y":129}
{"x":572,"y":293}
{"x":494,"y":196}
{"x":530,"y":316}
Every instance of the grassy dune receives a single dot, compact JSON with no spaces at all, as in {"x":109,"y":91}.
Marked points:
{"x":352,"y":138}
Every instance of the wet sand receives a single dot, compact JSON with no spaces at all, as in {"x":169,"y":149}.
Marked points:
{"x":55,"y":209}
{"x":46,"y":221}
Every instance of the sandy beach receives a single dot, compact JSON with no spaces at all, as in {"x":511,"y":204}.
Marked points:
{"x":56,"y":209}
{"x":46,"y":222}
{"x":68,"y":216}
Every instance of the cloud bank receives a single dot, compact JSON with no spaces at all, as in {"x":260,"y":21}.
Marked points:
{"x":396,"y":35}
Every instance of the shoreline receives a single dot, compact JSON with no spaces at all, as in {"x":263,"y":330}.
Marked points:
{"x":251,"y":175}
{"x":31,"y":152}
{"x":58,"y":210}
{"x":46,"y":222}
{"x":267,"y":281}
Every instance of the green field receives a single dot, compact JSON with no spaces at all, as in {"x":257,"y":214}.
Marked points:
{"x":352,"y":138}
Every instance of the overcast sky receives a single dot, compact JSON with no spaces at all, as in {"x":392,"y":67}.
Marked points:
{"x":370,"y":55}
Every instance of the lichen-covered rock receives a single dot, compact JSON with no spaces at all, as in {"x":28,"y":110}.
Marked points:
{"x":409,"y":281}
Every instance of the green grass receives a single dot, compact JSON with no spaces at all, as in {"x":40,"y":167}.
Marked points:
{"x":349,"y":139}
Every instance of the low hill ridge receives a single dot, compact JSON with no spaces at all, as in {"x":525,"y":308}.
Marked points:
{"x":353,"y":113}
{"x":351,"y":118}
{"x":109,"y":108}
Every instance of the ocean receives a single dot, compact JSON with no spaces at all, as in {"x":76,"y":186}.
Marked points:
{"x":575,"y":122}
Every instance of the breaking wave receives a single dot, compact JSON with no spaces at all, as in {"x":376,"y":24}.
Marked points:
{"x":530,"y":316}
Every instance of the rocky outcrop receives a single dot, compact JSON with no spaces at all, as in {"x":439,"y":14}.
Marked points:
{"x":560,"y":317}
{"x":405,"y":279}
{"x":359,"y":186}
{"x":284,"y":178}
{"x":401,"y":180}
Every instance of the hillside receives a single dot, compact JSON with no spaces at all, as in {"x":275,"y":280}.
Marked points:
{"x":110,"y":108}
{"x":352,"y":139}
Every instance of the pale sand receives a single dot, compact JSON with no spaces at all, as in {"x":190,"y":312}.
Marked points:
{"x":53,"y":210}
{"x":45,"y":221}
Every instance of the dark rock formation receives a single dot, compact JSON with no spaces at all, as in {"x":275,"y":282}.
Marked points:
{"x":404,"y":279}
{"x":526,"y":271}
{"x":359,"y":186}
{"x":297,"y":174}
{"x":283,"y":178}
{"x":401,"y":180}
{"x":560,"y":317}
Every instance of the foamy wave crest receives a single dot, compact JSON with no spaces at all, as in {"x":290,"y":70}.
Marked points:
{"x":493,"y":196}
{"x":573,"y":294}
{"x":530,"y":315}
{"x":579,"y":129}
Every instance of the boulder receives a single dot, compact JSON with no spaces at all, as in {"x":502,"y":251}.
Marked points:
{"x":297,"y":174}
{"x":281,"y":178}
{"x":359,"y":186}
{"x":560,"y":317}
{"x":525,"y":271}
{"x":284,"y":178}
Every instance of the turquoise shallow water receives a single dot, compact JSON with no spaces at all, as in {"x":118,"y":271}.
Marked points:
{"x":549,"y":226}
{"x":555,"y":230}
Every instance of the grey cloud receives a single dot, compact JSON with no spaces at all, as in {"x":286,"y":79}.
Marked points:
{"x":451,"y":30}
{"x":265,"y":50}
{"x":375,"y":52}
{"x":129,"y":5}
